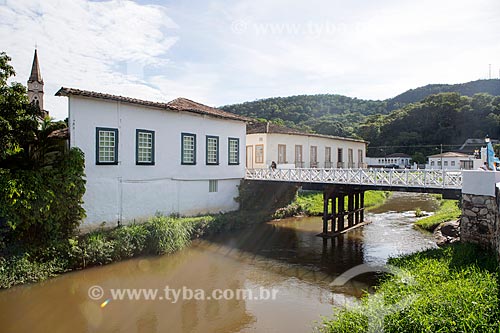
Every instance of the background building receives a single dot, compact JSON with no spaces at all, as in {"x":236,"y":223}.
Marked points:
{"x":454,"y":160}
{"x":267,"y":142}
{"x":396,"y":160}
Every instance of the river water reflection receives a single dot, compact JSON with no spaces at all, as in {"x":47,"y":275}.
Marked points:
{"x":284,"y":255}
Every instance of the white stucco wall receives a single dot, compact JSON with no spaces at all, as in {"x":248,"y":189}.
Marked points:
{"x":251,"y":141}
{"x":480,"y":182}
{"x":272,"y":140}
{"x":128,"y":191}
{"x":402,"y":162}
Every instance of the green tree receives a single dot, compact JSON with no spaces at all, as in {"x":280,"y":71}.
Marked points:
{"x":41,"y":182}
{"x":19,"y":120}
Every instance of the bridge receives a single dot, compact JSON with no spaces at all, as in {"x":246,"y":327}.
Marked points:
{"x":341,"y":186}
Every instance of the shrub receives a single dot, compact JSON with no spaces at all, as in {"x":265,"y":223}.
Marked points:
{"x":419,"y":212}
{"x":38,"y":206}
{"x":129,"y":240}
{"x":166,"y":234}
{"x":292,"y":209}
{"x":23,"y":269}
{"x":97,"y":249}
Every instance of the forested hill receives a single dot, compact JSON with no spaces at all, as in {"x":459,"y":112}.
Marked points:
{"x":445,"y":118}
{"x":319,"y":113}
{"x":341,"y":115}
{"x":491,"y":87}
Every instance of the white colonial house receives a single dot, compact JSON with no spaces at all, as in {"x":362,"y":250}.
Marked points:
{"x":288,"y":148}
{"x":146,"y":157}
{"x":399,"y":160}
{"x":455,"y":160}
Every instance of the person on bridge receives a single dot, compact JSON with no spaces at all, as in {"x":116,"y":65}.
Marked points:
{"x":273,"y":165}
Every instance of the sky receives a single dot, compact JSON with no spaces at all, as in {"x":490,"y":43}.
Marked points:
{"x":225,"y":52}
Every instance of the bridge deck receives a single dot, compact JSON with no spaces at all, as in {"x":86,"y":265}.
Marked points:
{"x":434,"y":181}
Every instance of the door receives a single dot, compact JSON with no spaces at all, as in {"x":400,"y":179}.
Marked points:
{"x":298,"y":156}
{"x":250,"y":157}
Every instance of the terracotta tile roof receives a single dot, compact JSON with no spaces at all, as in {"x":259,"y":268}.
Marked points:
{"x":184,"y":104}
{"x":267,"y":127}
{"x":179,"y":104}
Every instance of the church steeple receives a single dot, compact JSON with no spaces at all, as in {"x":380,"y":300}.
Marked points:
{"x":35,"y":83}
{"x":35,"y":70}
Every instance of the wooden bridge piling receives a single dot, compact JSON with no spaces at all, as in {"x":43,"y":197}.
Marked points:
{"x":335,"y":212}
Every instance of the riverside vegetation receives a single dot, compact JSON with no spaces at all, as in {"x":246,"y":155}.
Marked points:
{"x":448,"y":210}
{"x":450,"y":289}
{"x":22,"y":262}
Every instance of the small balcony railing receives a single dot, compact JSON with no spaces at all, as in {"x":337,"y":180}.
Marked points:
{"x":299,"y":164}
{"x":313,"y":164}
{"x":328,"y":165}
{"x":340,"y":165}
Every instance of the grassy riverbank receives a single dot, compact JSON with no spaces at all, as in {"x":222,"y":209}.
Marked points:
{"x":451,"y":289}
{"x":311,"y":203}
{"x":158,"y":235}
{"x":448,"y":210}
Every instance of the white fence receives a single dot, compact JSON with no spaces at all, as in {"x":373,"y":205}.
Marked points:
{"x":439,"y":179}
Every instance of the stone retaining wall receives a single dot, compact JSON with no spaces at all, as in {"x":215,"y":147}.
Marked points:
{"x":480,"y":220}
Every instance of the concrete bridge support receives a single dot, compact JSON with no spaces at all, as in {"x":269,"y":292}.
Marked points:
{"x":337,"y":218}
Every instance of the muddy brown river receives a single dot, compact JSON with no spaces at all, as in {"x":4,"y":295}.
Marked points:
{"x":281,"y":256}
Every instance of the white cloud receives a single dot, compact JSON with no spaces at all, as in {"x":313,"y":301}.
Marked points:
{"x":220,"y":52}
{"x":81,"y":43}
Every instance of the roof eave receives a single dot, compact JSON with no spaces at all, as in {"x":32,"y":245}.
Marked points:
{"x":67,"y":92}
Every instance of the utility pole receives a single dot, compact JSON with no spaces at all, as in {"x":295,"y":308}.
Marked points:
{"x":441,"y":156}
{"x":489,"y":71}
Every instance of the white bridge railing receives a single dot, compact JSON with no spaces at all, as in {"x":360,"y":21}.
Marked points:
{"x":439,"y":179}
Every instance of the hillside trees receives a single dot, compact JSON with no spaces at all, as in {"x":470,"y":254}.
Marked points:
{"x":446,"y":118}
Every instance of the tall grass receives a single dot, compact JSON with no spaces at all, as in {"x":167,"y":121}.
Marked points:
{"x":159,"y":235}
{"x":451,"y":289}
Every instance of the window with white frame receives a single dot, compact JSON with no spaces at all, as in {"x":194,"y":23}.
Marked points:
{"x":212,"y":150}
{"x":188,"y":148}
{"x":234,"y":151}
{"x":106,"y":145}
{"x":145,"y":149}
{"x":213,"y":185}
{"x":452,"y":163}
